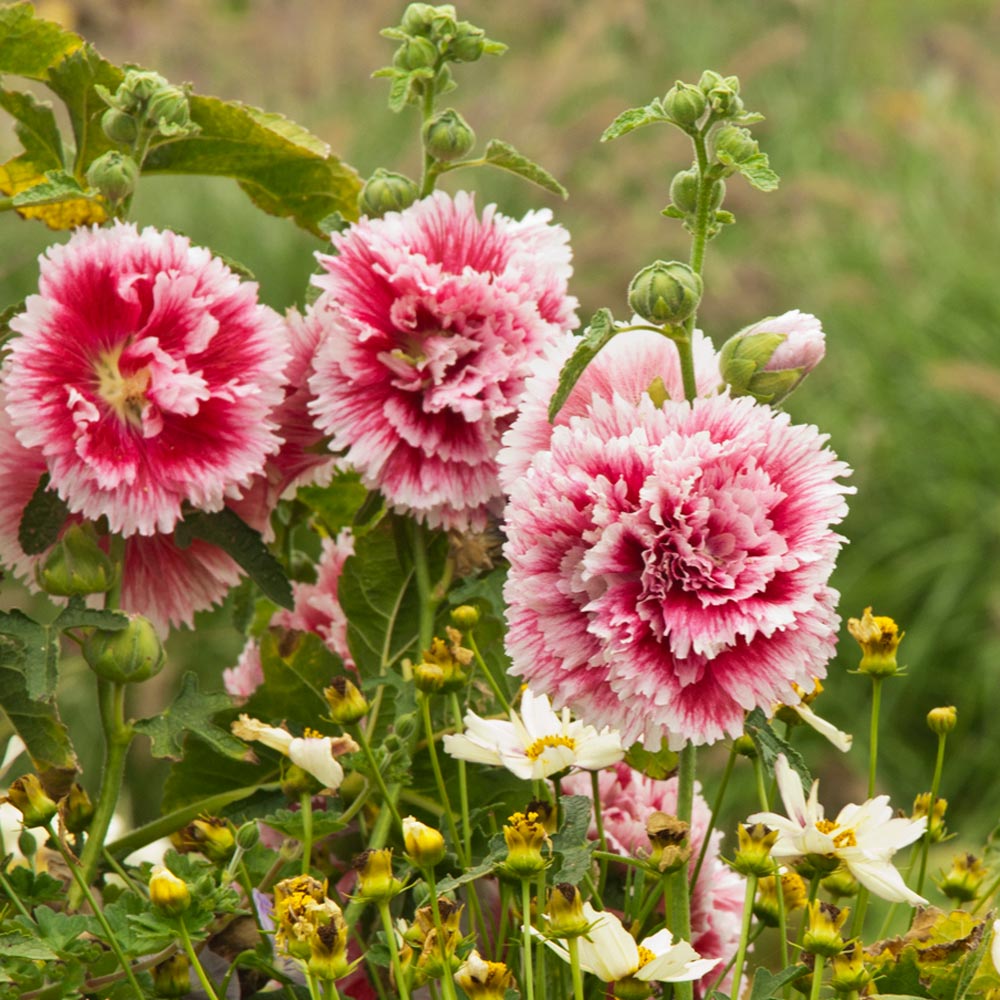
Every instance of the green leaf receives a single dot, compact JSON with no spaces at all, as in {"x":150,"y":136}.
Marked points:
{"x":18,"y":945}
{"x":37,"y":653}
{"x":506,"y":157}
{"x":226,"y":529}
{"x":757,"y":170}
{"x":767,"y":984}
{"x":633,"y":118}
{"x":36,"y":722}
{"x":657,"y":765}
{"x":42,"y":519}
{"x":191,"y":712}
{"x":36,"y":128}
{"x":6,"y":315}
{"x":32,"y":888}
{"x":769,"y":744}
{"x":284,"y":169}
{"x":77,"y":615}
{"x":324,"y":822}
{"x":570,"y":844}
{"x":599,"y":332}
{"x":56,"y":187}
{"x":30,"y":45}
{"x":378,"y":595}
{"x":296,"y":666}
{"x":337,"y":503}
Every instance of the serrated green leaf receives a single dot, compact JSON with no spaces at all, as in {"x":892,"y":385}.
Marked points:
{"x":767,"y":984}
{"x":18,"y":945}
{"x":758,"y":172}
{"x":191,"y":712}
{"x":291,"y":824}
{"x":226,"y":529}
{"x":6,"y":316}
{"x":56,"y":187}
{"x":42,"y":519}
{"x":657,"y":764}
{"x":78,"y":615}
{"x":284,"y":169}
{"x":296,"y":666}
{"x":38,"y":653}
{"x":36,"y":128}
{"x":769,"y":744}
{"x":633,"y":118}
{"x":29,"y":45}
{"x":599,"y":332}
{"x":33,"y":888}
{"x":506,"y":157}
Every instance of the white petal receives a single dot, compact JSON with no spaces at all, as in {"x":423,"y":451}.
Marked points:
{"x":538,"y":717}
{"x":995,"y":946}
{"x":790,"y":787}
{"x":551,"y":761}
{"x":881,"y":878}
{"x":461,"y":747}
{"x":677,"y":964}
{"x":841,"y":740}
{"x":316,"y":757}
{"x":608,"y":951}
{"x":600,"y":751}
{"x":247,"y":728}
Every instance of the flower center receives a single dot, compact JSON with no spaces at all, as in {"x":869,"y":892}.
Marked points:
{"x":645,"y":956}
{"x":538,"y":747}
{"x":845,"y":838}
{"x":124,"y":393}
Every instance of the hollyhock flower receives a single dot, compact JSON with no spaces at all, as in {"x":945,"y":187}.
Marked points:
{"x":628,"y":799}
{"x":145,"y":372}
{"x":160,"y":580}
{"x":864,"y":837}
{"x":312,"y":752}
{"x":243,"y":679}
{"x":609,"y":952}
{"x":536,"y":743}
{"x":673,"y":557}
{"x":433,"y":317}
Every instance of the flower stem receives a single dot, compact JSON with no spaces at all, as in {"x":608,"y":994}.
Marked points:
{"x":206,"y":983}
{"x":463,"y":786}
{"x":527,"y":977}
{"x":741,"y":951}
{"x":703,"y":204}
{"x":602,"y":840}
{"x":680,"y":895}
{"x":448,"y":983}
{"x":9,"y":892}
{"x":860,"y":906}
{"x":817,"y":981}
{"x":491,"y":680}
{"x":387,"y":798}
{"x":716,"y":806}
{"x":873,"y":739}
{"x":306,"y":808}
{"x":758,"y":770}
{"x":574,"y":963}
{"x":935,"y":788}
{"x":117,"y":738}
{"x":425,"y":711}
{"x":402,"y":987}
{"x":428,"y":603}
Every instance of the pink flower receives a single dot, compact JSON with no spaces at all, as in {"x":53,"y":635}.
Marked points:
{"x":242,"y":680}
{"x":805,"y":343}
{"x":674,"y":558}
{"x":165,"y":583}
{"x":145,"y":371}
{"x":433,"y":316}
{"x":628,"y":799}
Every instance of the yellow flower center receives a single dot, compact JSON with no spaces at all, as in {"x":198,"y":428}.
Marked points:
{"x":125,"y":394}
{"x":645,"y":957}
{"x":538,"y":747}
{"x":312,"y":734}
{"x":845,"y":838}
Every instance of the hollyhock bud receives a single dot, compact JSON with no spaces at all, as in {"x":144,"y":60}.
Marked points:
{"x":684,"y":103}
{"x":167,"y":892}
{"x":524,"y":836}
{"x":753,"y":856}
{"x":248,"y":836}
{"x":416,"y":53}
{"x":468,"y":43}
{"x":168,"y":111}
{"x":879,"y":638}
{"x":418,"y":17}
{"x":724,"y":100}
{"x":684,"y":190}
{"x":76,"y":565}
{"x":27,"y":795}
{"x":76,"y":810}
{"x":27,"y":844}
{"x":665,"y":292}
{"x":424,"y":844}
{"x":347,"y":704}
{"x":734,"y":144}
{"x":942,"y":721}
{"x":127,"y":656}
{"x":823,"y":935}
{"x":113,"y":174}
{"x":386,"y":191}
{"x":447,"y":136}
{"x":172,"y":976}
{"x":120,"y":127}
{"x":709,"y":81}
{"x":137,"y":88}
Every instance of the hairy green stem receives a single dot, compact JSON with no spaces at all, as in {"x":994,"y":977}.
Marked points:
{"x":428,"y":602}
{"x":681,"y":897}
{"x":817,"y":980}
{"x":306,"y":808}
{"x":527,"y":976}
{"x":873,"y":738}
{"x":574,"y":963}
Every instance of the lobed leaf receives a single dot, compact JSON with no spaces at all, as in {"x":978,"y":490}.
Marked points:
{"x":599,"y":332}
{"x":633,"y":118}
{"x":506,"y":157}
{"x":35,"y":125}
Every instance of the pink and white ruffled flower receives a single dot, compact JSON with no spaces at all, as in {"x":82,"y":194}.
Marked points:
{"x":160,"y":580}
{"x":145,"y":372}
{"x":628,"y":799}
{"x":804,"y":345}
{"x":433,"y":316}
{"x":669,"y":564}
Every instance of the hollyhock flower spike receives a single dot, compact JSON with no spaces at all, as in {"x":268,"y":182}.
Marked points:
{"x":864,"y":837}
{"x":145,"y":372}
{"x":432,"y":317}
{"x":536,"y":743}
{"x":674,"y":555}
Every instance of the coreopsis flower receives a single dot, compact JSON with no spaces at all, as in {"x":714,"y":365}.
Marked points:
{"x":879,"y":638}
{"x":432,"y":317}
{"x":862,"y":837}
{"x":628,"y":799}
{"x":312,"y":752}
{"x":160,"y":580}
{"x":536,"y":743}
{"x":609,"y":952}
{"x":803,"y":712}
{"x":145,"y":371}
{"x":483,"y":980}
{"x":668,"y":560}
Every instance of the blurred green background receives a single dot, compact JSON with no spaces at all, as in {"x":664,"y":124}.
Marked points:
{"x":882,"y":119}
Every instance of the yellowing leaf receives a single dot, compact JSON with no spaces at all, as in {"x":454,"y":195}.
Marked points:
{"x":21,"y":174}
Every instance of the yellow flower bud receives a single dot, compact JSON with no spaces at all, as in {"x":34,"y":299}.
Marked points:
{"x":328,"y":942}
{"x":167,"y":892}
{"x":76,"y":809}
{"x":935,"y":821}
{"x":669,"y":837}
{"x":849,"y":974}
{"x":879,"y":638}
{"x":27,"y":795}
{"x":208,"y":835}
{"x":524,"y":835}
{"x":347,"y":703}
{"x":565,"y":912}
{"x":822,"y":935}
{"x":963,"y":881}
{"x":442,"y":667}
{"x":424,"y":844}
{"x":465,"y":616}
{"x":765,"y":906}
{"x":753,"y":856}
{"x":172,"y":976}
{"x":375,"y":879}
{"x":942,"y":721}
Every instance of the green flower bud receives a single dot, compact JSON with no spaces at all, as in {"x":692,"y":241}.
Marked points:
{"x":879,"y":638}
{"x":137,"y":89}
{"x":418,"y":18}
{"x":745,"y":746}
{"x":27,"y":844}
{"x":468,"y":43}
{"x":447,"y":136}
{"x":565,"y":912}
{"x":841,"y":884}
{"x":208,"y":835}
{"x":669,"y":837}
{"x":848,"y":972}
{"x":119,"y":127}
{"x":963,"y":881}
{"x":27,"y":795}
{"x":248,"y":836}
{"x":167,"y":892}
{"x":375,"y":879}
{"x":465,"y":616}
{"x":684,"y":103}
{"x":525,"y":836}
{"x":76,"y":565}
{"x":735,"y":145}
{"x":128,"y":655}
{"x":709,"y":81}
{"x":665,"y":292}
{"x":385,"y":192}
{"x":724,"y":101}
{"x":753,"y":856}
{"x":296,"y":781}
{"x":684,"y":191}
{"x":416,"y":53}
{"x":172,"y":976}
{"x":942,"y":721}
{"x":823,"y":935}
{"x":76,"y":809}
{"x":114,"y":174}
{"x":168,"y":111}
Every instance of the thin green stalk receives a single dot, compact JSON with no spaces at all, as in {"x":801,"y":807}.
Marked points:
{"x":14,"y":898}
{"x":716,"y":806}
{"x":491,"y":680}
{"x":429,"y":174}
{"x":680,"y":892}
{"x":813,"y":890}
{"x":527,"y":976}
{"x":447,"y":981}
{"x":860,"y":906}
{"x":873,"y":739}
{"x":117,"y":738}
{"x":306,"y":809}
{"x":402,"y":987}
{"x":390,"y":800}
{"x":741,"y":951}
{"x":199,"y":969}
{"x":984,"y":898}
{"x":425,"y":711}
{"x":574,"y":963}
{"x":463,"y":786}
{"x":540,"y":979}
{"x":782,"y":916}
{"x":758,"y":770}
{"x":758,"y":930}
{"x":817,"y":980}
{"x":935,"y":788}
{"x":703,"y":204}
{"x":84,"y":889}
{"x":602,"y":840}
{"x":428,"y":605}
